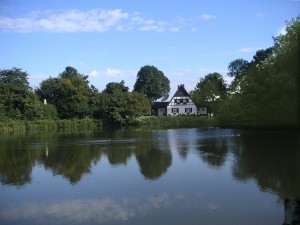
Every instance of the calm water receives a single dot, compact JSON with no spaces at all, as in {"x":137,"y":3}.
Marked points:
{"x":185,"y":176}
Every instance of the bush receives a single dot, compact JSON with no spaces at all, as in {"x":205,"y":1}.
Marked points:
{"x":166,"y":122}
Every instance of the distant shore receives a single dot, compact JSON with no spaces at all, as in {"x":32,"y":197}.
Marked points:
{"x":146,"y":123}
{"x":49,"y":125}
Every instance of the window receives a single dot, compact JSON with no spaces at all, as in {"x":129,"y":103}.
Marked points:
{"x":175,"y":110}
{"x":177,"y":101}
{"x":188,"y":110}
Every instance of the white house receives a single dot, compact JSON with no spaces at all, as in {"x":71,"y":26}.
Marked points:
{"x":180,"y":104}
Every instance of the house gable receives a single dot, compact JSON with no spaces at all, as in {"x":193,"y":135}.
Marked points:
{"x":181,"y":103}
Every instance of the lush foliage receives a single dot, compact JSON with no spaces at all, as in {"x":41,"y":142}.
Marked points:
{"x":113,"y":103}
{"x":137,"y":105}
{"x":209,"y":91}
{"x":152,"y":83}
{"x":70,"y":93}
{"x":17,"y":100}
{"x":119,"y":107}
{"x":268,"y":86}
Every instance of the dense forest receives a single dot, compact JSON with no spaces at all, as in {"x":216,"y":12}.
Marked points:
{"x":264,"y":92}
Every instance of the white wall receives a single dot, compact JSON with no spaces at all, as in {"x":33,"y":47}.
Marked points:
{"x":182,"y":109}
{"x":161,"y":111}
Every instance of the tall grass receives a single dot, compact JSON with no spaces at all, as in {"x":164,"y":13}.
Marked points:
{"x":49,"y":125}
{"x":167,"y":122}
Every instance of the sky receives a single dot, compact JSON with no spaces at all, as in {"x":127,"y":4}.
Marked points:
{"x":110,"y":40}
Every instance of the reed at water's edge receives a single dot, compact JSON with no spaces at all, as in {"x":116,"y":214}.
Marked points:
{"x":167,"y":122}
{"x":145,"y":123}
{"x":49,"y":125}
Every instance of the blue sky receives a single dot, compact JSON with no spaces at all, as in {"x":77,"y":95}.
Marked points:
{"x":110,"y":40}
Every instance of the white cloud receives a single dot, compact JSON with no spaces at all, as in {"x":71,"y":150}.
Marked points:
{"x":95,"y":20}
{"x":111,"y":72}
{"x":150,"y":25}
{"x":174,"y":29}
{"x":207,"y":17}
{"x":65,"y":21}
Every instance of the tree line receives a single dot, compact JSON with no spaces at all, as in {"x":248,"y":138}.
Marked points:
{"x":69,"y":95}
{"x":264,"y":91}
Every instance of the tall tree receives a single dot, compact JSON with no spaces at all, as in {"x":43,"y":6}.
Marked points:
{"x":152,"y":83}
{"x":209,"y":91}
{"x":269,"y":91}
{"x":236,"y":69}
{"x":16,"y":96}
{"x":113,"y":103}
{"x":70,"y":93}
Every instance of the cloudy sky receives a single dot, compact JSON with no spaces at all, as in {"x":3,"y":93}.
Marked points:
{"x":110,"y":40}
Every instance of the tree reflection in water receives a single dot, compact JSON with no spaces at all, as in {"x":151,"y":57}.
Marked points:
{"x":213,"y":151}
{"x":72,"y":156}
{"x":271,"y":158}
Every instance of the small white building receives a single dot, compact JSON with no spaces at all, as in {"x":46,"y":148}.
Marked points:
{"x":180,"y":104}
{"x":202,"y":111}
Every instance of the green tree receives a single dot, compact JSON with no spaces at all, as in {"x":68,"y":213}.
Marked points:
{"x":236,"y":69}
{"x":269,"y":88}
{"x":16,"y":96}
{"x":70,"y":93}
{"x":113,"y":87}
{"x":209,"y":91}
{"x":94,"y":100}
{"x":50,"y":90}
{"x":152,"y":83}
{"x":137,"y":104}
{"x":50,"y":111}
{"x":113,"y":104}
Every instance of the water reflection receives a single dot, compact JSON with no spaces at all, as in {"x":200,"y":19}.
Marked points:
{"x":72,"y":162}
{"x":181,"y":176}
{"x":212,"y":147}
{"x":87,"y":210}
{"x":72,"y":156}
{"x":271,"y":158}
{"x":15,"y":167}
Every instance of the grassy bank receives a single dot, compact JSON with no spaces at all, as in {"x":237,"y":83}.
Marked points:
{"x":49,"y":125}
{"x":167,"y":122}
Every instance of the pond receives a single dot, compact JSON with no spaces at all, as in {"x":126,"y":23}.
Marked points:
{"x":183,"y":176}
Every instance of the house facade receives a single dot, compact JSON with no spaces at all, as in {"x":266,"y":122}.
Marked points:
{"x":180,"y":104}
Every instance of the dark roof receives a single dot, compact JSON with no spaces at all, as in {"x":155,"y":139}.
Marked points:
{"x":181,"y":92}
{"x":159,"y":105}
